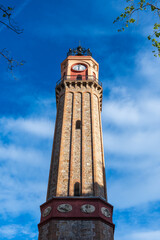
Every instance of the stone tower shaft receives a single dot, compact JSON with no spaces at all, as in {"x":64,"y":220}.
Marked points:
{"x":77,"y":155}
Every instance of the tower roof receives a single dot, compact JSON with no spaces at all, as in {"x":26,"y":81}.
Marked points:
{"x":79,"y":51}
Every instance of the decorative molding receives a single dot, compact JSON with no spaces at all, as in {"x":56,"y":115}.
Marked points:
{"x":64,"y":208}
{"x":105,"y":211}
{"x":72,"y":86}
{"x":87,"y":208}
{"x":46,"y":211}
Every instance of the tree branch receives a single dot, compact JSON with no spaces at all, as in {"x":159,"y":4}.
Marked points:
{"x":18,"y":31}
{"x":150,"y":4}
{"x":11,"y":62}
{"x":9,"y":23}
{"x":127,"y":18}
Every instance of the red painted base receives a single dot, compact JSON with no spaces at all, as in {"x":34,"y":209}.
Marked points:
{"x":101,"y":209}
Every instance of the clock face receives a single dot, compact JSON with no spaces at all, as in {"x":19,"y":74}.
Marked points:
{"x":79,"y":67}
{"x":87,"y":208}
{"x":46,"y":211}
{"x":105,"y":212}
{"x":64,"y":208}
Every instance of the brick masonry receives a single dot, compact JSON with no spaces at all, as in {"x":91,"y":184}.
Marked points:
{"x":76,"y":151}
{"x":77,"y":157}
{"x":52,"y":183}
{"x":77,"y":154}
{"x":87,"y":166}
{"x":98,"y":148}
{"x":65,"y":150}
{"x":76,"y":230}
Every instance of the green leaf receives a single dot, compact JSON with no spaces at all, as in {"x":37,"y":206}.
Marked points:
{"x":149,"y":37}
{"x":9,"y":8}
{"x":132,"y":20}
{"x":157,"y":34}
{"x":4,"y":15}
{"x":155,"y":26}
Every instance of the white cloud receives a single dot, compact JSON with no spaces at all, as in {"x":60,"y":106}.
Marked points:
{"x":38,"y":127}
{"x":148,"y":69}
{"x":131,"y":123}
{"x":147,"y":235}
{"x":138,"y":111}
{"x":23,"y":200}
{"x":135,"y":188}
{"x":120,"y":113}
{"x":21,"y":155}
{"x":23,"y":189}
{"x":133,"y":143}
{"x":24,"y":164}
{"x":131,"y":132}
{"x":13,"y":230}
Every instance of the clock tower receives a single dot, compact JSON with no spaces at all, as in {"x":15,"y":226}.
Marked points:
{"x":76,"y":206}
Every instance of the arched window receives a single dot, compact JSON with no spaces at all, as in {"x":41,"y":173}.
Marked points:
{"x":79,"y":77}
{"x":76,"y":189}
{"x":78,"y":124}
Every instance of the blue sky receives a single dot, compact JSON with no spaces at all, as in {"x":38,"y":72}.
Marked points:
{"x":130,"y":113}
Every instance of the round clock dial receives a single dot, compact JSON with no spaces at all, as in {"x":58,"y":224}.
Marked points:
{"x":79,"y":67}
{"x":105,"y":212}
{"x":46,"y":211}
{"x":64,"y":208}
{"x":87,"y":208}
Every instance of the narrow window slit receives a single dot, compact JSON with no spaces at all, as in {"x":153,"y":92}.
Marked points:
{"x":76,"y":189}
{"x":78,"y":124}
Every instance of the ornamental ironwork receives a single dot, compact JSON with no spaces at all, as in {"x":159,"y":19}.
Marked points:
{"x":79,"y":51}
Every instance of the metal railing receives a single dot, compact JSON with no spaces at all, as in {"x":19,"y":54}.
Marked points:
{"x":79,"y":77}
